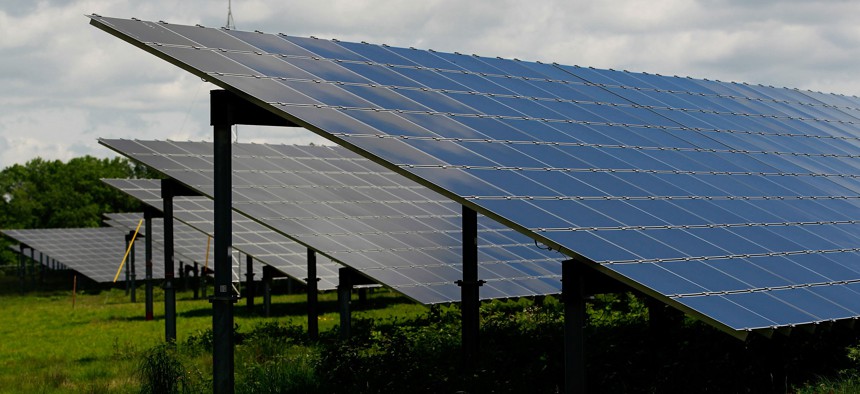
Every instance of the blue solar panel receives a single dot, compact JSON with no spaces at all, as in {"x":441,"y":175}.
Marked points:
{"x":189,"y":244}
{"x":637,"y":174}
{"x":93,"y":252}
{"x":358,"y":213}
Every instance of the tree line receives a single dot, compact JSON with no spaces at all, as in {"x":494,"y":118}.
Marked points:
{"x":56,"y":194}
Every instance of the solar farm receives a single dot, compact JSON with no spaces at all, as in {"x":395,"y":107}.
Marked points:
{"x":461,"y":183}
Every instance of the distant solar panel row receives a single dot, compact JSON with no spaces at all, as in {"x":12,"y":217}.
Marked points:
{"x":93,"y":252}
{"x":189,"y":244}
{"x":735,"y":202}
{"x":249,"y":237}
{"x":362,"y":215}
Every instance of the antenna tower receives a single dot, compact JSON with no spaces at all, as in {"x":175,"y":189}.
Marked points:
{"x":230,"y":23}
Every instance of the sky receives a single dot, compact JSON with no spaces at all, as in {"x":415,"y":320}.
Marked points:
{"x":64,"y":83}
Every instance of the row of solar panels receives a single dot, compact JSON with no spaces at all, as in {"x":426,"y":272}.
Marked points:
{"x":737,"y":203}
{"x":356,"y":213}
{"x":249,"y":237}
{"x":346,"y":207}
{"x":93,"y":252}
{"x":97,"y":253}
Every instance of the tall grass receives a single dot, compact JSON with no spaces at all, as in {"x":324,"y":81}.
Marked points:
{"x":104,"y":345}
{"x":46,"y":346}
{"x":161,"y":372}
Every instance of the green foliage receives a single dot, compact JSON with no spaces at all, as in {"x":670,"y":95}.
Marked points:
{"x":97,"y":346}
{"x":199,"y":342}
{"x":844,"y":383}
{"x":611,"y":310}
{"x":295,"y":374}
{"x":393,"y":357}
{"x":270,"y":361}
{"x":53,"y":194}
{"x":162,"y":371}
{"x":519,"y":352}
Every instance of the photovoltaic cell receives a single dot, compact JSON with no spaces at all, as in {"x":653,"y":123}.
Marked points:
{"x":734,"y":178}
{"x":249,"y":237}
{"x":93,"y":252}
{"x":362,"y":215}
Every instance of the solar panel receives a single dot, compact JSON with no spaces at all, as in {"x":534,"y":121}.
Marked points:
{"x":249,"y":237}
{"x":737,"y":203}
{"x":93,"y":252}
{"x":189,"y":244}
{"x":358,"y":213}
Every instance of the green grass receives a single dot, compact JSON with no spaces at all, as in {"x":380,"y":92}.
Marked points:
{"x":47,"y":345}
{"x":103,"y":345}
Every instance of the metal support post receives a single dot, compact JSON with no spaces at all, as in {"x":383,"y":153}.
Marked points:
{"x":41,"y":268}
{"x":267,"y":289}
{"x":196,"y":280}
{"x":469,"y":288}
{"x":344,"y":293}
{"x":33,"y":267}
{"x":222,"y":113}
{"x":183,"y":274}
{"x":130,"y":284}
{"x":227,"y":109}
{"x":131,"y":262}
{"x":362,"y":297}
{"x":22,"y":268}
{"x":573,"y":295}
{"x":313,"y":323}
{"x":147,"y":217}
{"x":126,"y":270}
{"x":249,"y":286}
{"x":169,"y":269}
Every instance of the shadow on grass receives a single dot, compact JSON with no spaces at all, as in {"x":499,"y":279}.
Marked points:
{"x":299,"y":308}
{"x":142,"y":317}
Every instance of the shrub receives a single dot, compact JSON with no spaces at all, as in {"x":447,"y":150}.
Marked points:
{"x":161,"y":371}
{"x":296,"y":374}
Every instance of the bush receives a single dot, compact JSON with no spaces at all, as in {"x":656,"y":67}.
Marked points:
{"x":521,"y":344}
{"x":295,"y":374}
{"x":161,"y":371}
{"x":199,"y":342}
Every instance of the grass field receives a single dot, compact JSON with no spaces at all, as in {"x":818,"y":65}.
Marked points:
{"x":47,"y":345}
{"x":100,"y":344}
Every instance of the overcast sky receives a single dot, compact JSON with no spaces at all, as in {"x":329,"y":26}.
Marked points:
{"x":65,"y":83}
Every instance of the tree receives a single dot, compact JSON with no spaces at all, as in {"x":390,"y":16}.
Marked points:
{"x":53,"y":194}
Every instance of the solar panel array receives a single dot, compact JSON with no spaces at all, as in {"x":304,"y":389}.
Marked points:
{"x":249,"y":237}
{"x":735,"y":202}
{"x":189,"y":244}
{"x":93,"y":252}
{"x":360,"y":214}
